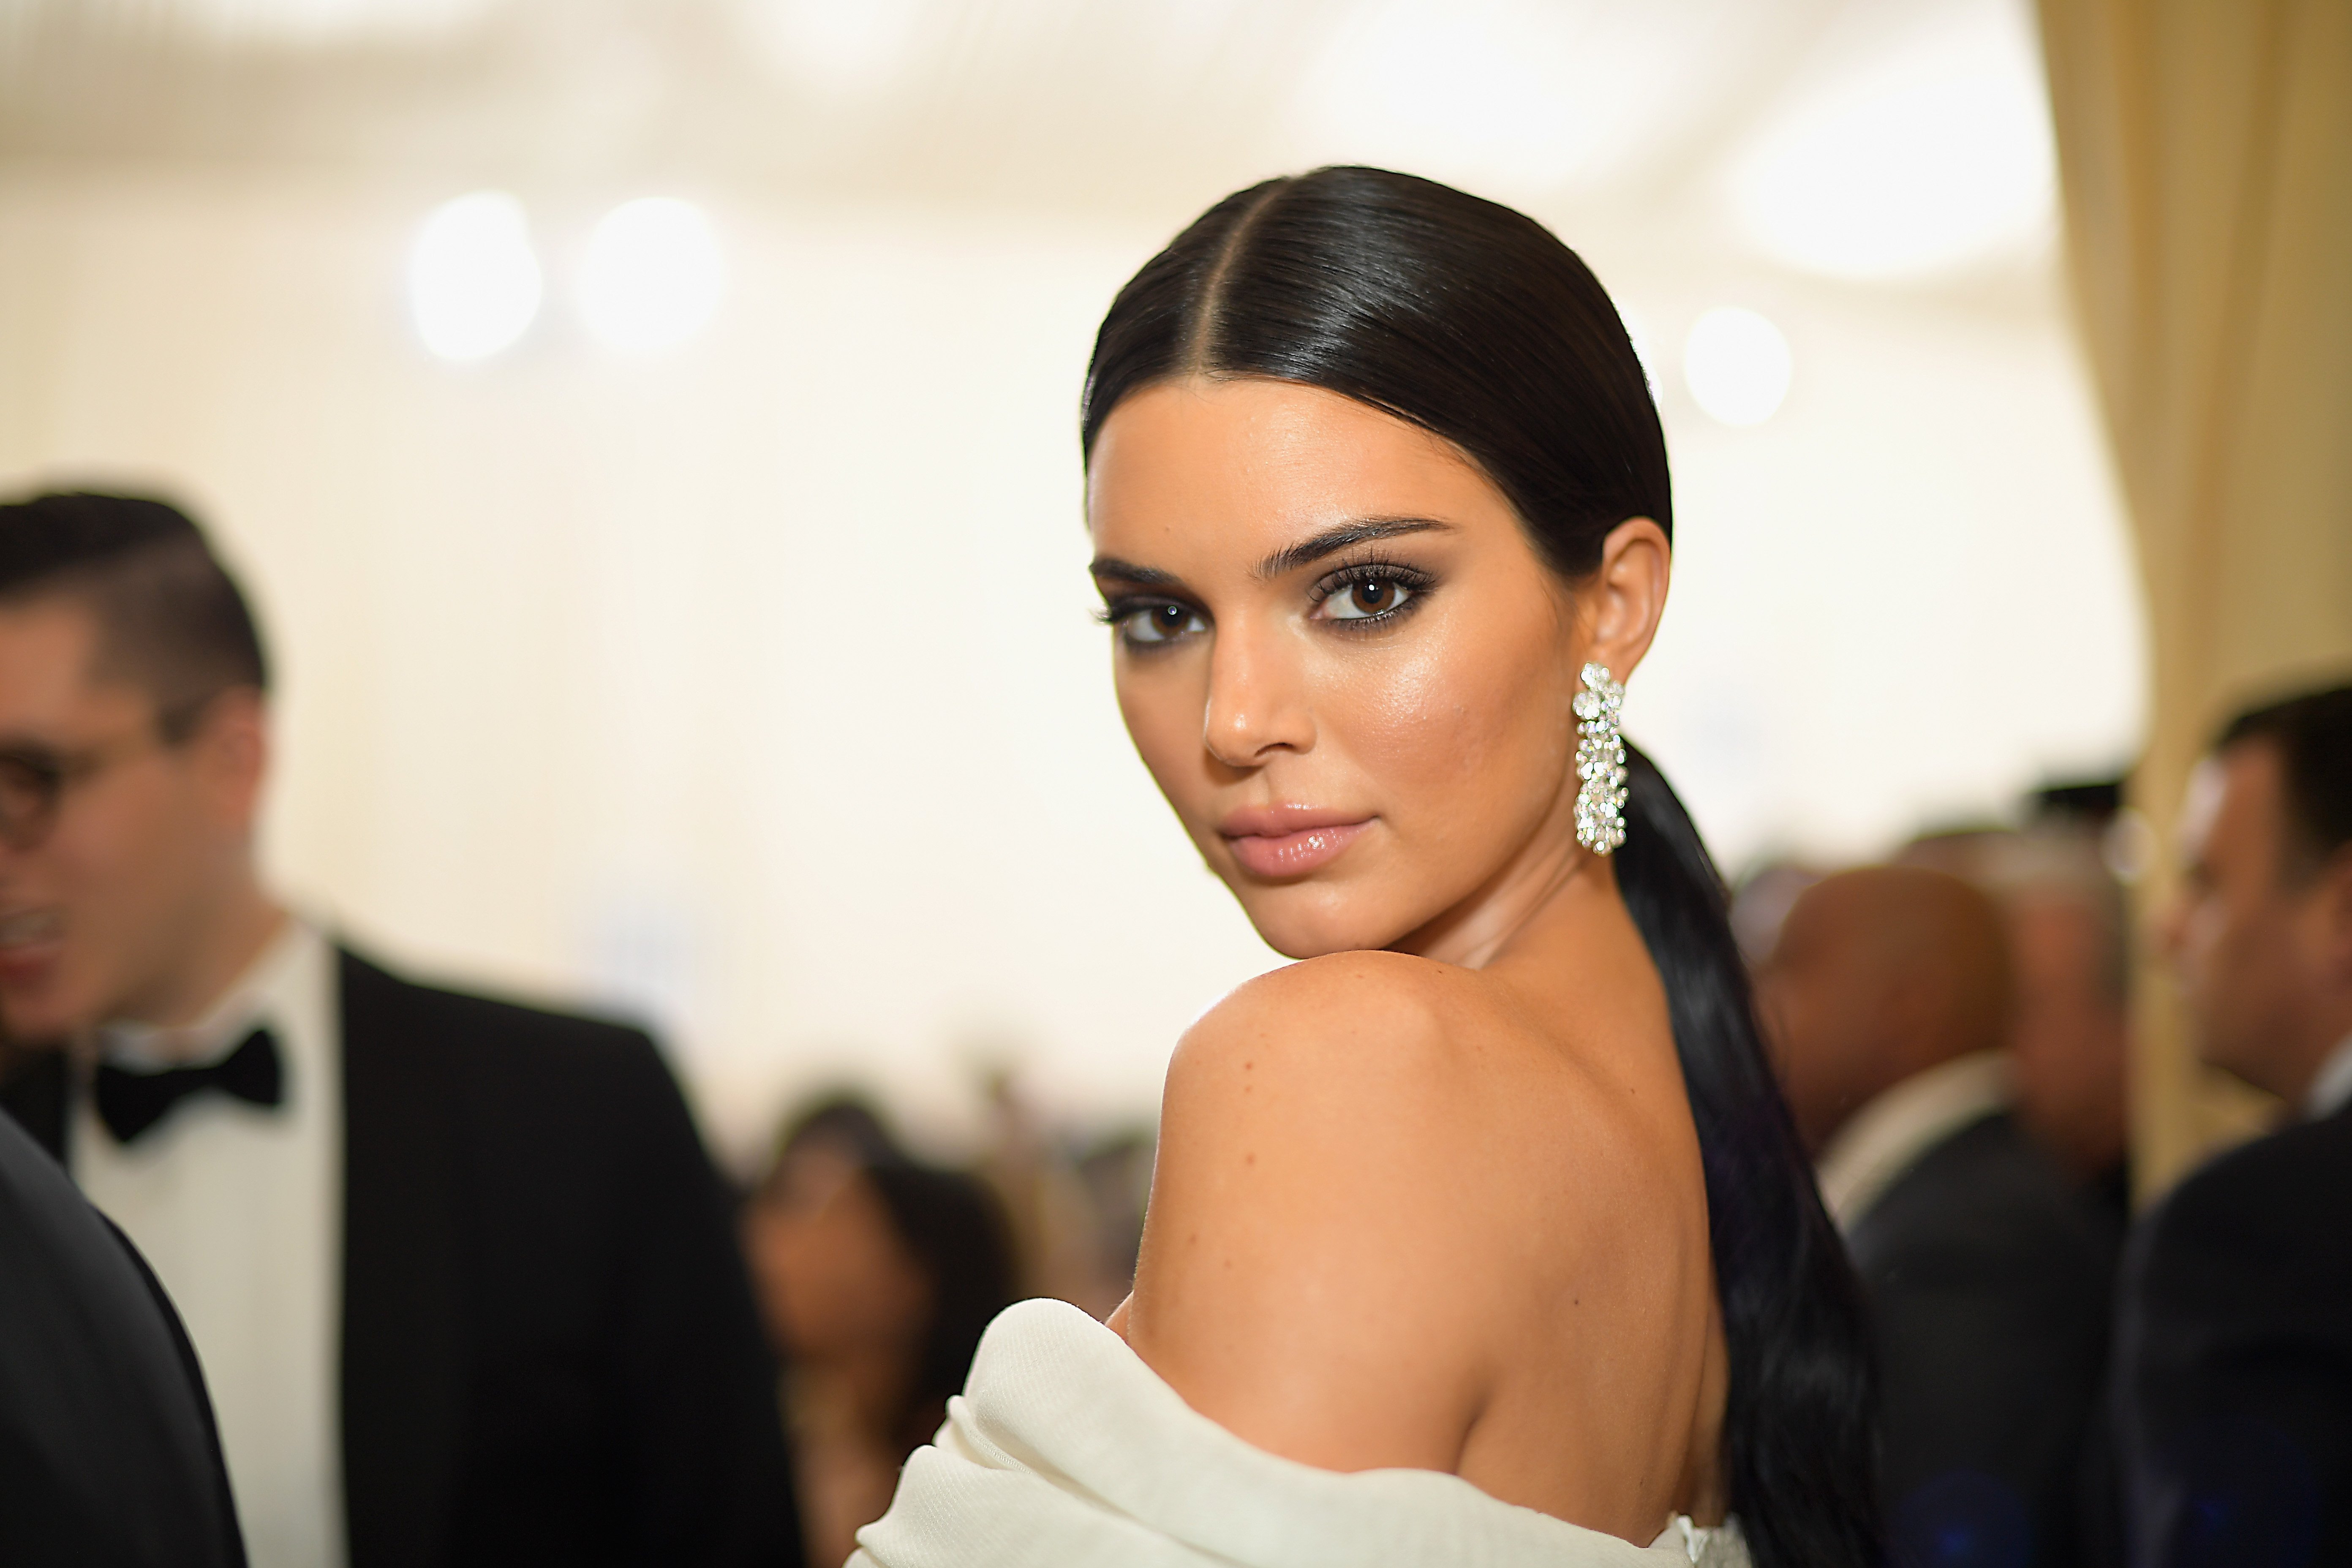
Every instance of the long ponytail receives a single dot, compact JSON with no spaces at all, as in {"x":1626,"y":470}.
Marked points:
{"x":1793,"y":1312}
{"x":1474,"y":322}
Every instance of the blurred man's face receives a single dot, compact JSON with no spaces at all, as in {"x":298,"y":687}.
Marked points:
{"x":96,"y":905}
{"x":2239,"y":933}
{"x":1820,"y":1004}
{"x":2070,"y":1037}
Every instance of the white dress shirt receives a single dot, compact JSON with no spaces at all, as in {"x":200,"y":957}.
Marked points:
{"x":238,"y":1209}
{"x":1888,"y":1136}
{"x":2332,"y":1090}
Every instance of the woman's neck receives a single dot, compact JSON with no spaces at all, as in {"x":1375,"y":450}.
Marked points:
{"x":1552,"y":879}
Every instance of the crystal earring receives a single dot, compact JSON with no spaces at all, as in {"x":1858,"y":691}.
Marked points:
{"x":1600,"y":762}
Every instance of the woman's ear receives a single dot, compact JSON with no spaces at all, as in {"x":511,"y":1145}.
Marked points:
{"x":1627,"y":594}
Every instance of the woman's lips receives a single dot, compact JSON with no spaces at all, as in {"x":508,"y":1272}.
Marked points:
{"x":1288,"y":841}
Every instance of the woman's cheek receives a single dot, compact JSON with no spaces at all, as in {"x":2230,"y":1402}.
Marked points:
{"x":1427,"y":733}
{"x":1163,"y":720}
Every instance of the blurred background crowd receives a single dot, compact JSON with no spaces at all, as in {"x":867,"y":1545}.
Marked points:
{"x":645,"y":433}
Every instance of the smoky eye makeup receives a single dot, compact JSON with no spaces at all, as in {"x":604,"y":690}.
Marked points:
{"x":1149,"y":623}
{"x":1369,"y":595}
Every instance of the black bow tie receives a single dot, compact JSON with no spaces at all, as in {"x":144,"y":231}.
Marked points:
{"x":130,"y":1102}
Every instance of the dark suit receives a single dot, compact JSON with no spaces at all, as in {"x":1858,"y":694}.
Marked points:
{"x":2233,"y":1397}
{"x":107,"y":1457}
{"x":1989,"y":1275}
{"x":550,"y":1350}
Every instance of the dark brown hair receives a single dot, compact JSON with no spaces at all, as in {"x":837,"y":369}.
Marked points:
{"x":2313,"y":733}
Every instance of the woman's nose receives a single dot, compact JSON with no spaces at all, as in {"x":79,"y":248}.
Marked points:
{"x":1258,"y":698}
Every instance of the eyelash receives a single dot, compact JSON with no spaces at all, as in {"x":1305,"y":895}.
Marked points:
{"x":1119,"y":610}
{"x":1415,"y":581}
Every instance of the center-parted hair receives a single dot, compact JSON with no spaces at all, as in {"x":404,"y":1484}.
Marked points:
{"x":1474,"y":322}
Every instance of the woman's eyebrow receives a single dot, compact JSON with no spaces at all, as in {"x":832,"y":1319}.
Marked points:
{"x":1289,"y":558}
{"x":1114,"y":569}
{"x":1331,"y":541}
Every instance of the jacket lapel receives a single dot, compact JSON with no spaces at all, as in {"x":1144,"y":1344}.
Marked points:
{"x":404,"y":1329}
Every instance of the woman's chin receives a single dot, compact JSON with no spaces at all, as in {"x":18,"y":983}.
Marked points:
{"x":1303,"y":928}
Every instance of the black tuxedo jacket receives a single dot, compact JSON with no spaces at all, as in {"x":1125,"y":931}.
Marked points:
{"x":108,"y":1458}
{"x":1989,"y":1276}
{"x":2232,"y":1384}
{"x":550,"y":1351}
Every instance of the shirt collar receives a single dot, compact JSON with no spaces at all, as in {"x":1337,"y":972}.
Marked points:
{"x":1889,"y":1135}
{"x":2331,"y":1091}
{"x":254,"y":998}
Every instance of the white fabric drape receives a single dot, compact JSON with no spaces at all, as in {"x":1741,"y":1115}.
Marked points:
{"x":1066,"y":1451}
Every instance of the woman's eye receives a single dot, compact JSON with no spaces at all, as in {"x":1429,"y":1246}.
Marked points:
{"x":1155,"y":623}
{"x":1363,"y":601}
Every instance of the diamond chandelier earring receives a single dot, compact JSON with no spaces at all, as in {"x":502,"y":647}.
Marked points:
{"x":1600,"y":762}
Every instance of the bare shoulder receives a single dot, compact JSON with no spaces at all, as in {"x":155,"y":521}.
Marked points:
{"x":1397,"y":1206}
{"x":1366,"y":1059}
{"x":1335,"y":1082}
{"x":1325,"y":1201}
{"x":1386,"y":1018}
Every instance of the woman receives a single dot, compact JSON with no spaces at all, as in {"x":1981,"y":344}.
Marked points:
{"x":1493,"y":1183}
{"x":875,"y":1275}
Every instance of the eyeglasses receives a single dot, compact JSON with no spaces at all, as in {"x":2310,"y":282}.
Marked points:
{"x":34,"y":778}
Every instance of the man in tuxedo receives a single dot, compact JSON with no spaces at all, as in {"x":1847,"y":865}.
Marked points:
{"x":2070,"y":946}
{"x":1986,"y":1267}
{"x":107,"y":1456}
{"x":2232,"y":1384}
{"x":461,"y":1276}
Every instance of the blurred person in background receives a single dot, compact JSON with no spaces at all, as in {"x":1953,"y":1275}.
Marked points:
{"x":1074,"y":1207}
{"x":2070,"y":1043}
{"x":2070,"y":960}
{"x":1114,"y":1171}
{"x":459,"y":1272}
{"x":876,"y":1275}
{"x":2233,"y":1399}
{"x":1887,"y":997}
{"x":1761,"y":904}
{"x":1047,"y":1207}
{"x":107,"y":1441}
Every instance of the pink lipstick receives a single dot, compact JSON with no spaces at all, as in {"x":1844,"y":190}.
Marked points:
{"x":1289,"y":840}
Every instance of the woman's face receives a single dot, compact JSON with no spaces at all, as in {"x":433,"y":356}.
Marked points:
{"x":1341,"y":659}
{"x":832,"y":1274}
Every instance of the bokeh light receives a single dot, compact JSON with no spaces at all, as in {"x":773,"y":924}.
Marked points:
{"x":652,"y":276}
{"x":1737,"y":365}
{"x":473,"y":283}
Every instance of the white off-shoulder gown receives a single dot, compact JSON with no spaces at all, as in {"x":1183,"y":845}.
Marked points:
{"x":1066,"y":1451}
